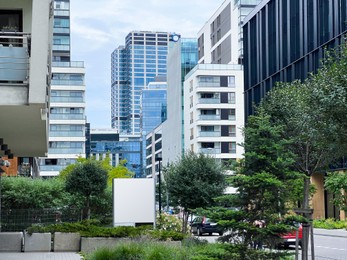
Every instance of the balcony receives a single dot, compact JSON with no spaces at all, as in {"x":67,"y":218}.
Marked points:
{"x":66,"y":116}
{"x":14,"y":57}
{"x":67,"y":82}
{"x":67,"y":100}
{"x":209,"y":101}
{"x":209,"y":134}
{"x":66,"y":151}
{"x":67,"y":64}
{"x":66,"y":134}
{"x":209,"y":117}
{"x":209,"y":151}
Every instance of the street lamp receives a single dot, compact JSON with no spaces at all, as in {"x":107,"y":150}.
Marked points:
{"x":158,"y":158}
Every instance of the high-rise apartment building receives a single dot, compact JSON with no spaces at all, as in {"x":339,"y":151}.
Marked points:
{"x":133,"y":66}
{"x":67,"y":118}
{"x":25,"y":54}
{"x":220,"y":39}
{"x":182,"y":57}
{"x":214,"y":111}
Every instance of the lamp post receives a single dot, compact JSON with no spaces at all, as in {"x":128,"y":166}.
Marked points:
{"x":158,"y":158}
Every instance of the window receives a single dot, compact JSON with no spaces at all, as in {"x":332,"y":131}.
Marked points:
{"x":191,"y":101}
{"x":232,"y":114}
{"x":191,"y":117}
{"x":232,"y":147}
{"x":232,"y":130}
{"x":207,"y":145}
{"x":207,"y":128}
{"x":231,"y":98}
{"x":191,"y":133}
{"x":231,"y":81}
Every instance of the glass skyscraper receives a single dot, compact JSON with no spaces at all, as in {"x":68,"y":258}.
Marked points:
{"x":133,"y":66}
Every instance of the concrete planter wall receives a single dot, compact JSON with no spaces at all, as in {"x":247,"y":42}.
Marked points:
{"x":11,"y":241}
{"x":66,"y":242}
{"x":37,"y":242}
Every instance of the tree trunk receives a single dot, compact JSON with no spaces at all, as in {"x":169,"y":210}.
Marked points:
{"x":185,"y":222}
{"x":306,"y":226}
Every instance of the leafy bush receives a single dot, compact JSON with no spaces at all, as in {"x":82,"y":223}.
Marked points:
{"x":169,"y":222}
{"x":166,"y":235}
{"x":329,"y":223}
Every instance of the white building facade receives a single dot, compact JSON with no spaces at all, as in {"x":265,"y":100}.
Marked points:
{"x":67,"y":119}
{"x":214,"y":111}
{"x":220,"y":40}
{"x":25,"y":54}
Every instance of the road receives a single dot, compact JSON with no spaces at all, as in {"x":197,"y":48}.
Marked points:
{"x":329,"y":245}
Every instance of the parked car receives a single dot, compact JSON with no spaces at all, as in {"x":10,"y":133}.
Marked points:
{"x":202,"y":225}
{"x":290,"y":238}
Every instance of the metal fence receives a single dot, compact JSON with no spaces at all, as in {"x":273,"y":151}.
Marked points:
{"x":21,"y":219}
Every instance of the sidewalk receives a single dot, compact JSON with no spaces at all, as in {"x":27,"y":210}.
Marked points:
{"x":330,"y":232}
{"x":40,"y":256}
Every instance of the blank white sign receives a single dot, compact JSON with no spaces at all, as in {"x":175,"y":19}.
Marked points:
{"x":133,"y":201}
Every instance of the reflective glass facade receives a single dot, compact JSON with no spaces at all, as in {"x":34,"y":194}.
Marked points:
{"x":285,"y":40}
{"x":154,"y":108}
{"x":133,"y":66}
{"x":119,"y":148}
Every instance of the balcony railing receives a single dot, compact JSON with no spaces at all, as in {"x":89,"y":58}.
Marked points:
{"x":66,"y":116}
{"x":66,"y":134}
{"x":209,"y":133}
{"x":67,"y":82}
{"x":209,"y":101}
{"x":210,"y":151}
{"x":66,"y":151}
{"x":49,"y":168}
{"x":71,"y":64}
{"x":67,"y":100}
{"x":14,"y":57}
{"x":209,"y":117}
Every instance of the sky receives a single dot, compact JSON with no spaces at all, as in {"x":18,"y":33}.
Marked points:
{"x":99,"y":27}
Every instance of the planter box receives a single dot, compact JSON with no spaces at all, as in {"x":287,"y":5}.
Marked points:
{"x":11,"y":241}
{"x":90,"y":244}
{"x":66,"y":242}
{"x":37,"y":242}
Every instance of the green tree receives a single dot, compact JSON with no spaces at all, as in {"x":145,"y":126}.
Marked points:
{"x":336,"y":183}
{"x":193,"y":182}
{"x":120,"y":171}
{"x":87,"y":179}
{"x":263,"y":179}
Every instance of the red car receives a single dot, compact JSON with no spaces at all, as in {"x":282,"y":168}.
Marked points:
{"x":290,"y":238}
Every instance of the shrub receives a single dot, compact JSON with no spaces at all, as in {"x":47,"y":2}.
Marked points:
{"x":329,"y":223}
{"x":169,"y":222}
{"x":140,"y":251}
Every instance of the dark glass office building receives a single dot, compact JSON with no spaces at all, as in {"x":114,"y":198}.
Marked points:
{"x":285,"y":40}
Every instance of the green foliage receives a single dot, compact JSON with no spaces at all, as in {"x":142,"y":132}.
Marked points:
{"x":87,"y":179}
{"x":336,"y":183}
{"x":91,"y":228}
{"x":168,"y":222}
{"x":120,"y":171}
{"x":27,"y":193}
{"x":140,"y":251}
{"x":329,"y":223}
{"x":194,"y":181}
{"x":167,"y":235}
